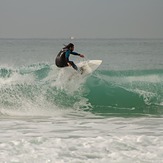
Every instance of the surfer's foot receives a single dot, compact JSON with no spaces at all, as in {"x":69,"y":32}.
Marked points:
{"x":81,"y":70}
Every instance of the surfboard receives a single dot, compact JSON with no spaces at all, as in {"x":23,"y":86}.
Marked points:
{"x":87,"y":67}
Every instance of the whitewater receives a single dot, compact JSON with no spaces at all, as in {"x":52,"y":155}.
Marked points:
{"x":113,"y":115}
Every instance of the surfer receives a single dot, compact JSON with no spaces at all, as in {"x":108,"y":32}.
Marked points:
{"x":62,"y":59}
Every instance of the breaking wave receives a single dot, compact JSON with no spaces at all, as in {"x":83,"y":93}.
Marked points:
{"x":42,"y":89}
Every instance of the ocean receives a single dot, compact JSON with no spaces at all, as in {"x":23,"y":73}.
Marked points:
{"x":114,"y":115}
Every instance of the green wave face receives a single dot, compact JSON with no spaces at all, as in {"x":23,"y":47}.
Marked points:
{"x":126,"y":91}
{"x":43,"y":87}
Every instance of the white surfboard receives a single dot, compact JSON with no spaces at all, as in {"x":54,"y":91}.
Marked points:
{"x":70,"y":78}
{"x":88,"y":67}
{"x":85,"y":69}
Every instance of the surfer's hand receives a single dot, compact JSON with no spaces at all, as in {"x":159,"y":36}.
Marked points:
{"x":81,"y":55}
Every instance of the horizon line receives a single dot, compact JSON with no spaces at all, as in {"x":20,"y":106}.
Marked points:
{"x":80,"y":38}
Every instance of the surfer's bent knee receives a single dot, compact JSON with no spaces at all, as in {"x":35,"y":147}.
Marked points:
{"x":60,"y":63}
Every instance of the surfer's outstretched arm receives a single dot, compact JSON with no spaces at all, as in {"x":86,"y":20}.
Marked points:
{"x":80,"y":55}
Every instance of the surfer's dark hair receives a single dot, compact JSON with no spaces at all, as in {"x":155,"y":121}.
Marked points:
{"x":70,"y":45}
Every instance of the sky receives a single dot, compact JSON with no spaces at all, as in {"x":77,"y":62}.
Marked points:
{"x":81,"y":18}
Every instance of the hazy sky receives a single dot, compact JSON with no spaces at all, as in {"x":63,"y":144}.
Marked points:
{"x":81,"y":18}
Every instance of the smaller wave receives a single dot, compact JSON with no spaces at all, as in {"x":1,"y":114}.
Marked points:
{"x":5,"y":72}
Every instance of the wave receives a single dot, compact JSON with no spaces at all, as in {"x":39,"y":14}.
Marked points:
{"x":42,"y":88}
{"x":127,"y":91}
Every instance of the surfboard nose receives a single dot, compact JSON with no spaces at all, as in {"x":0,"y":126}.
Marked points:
{"x":96,"y":62}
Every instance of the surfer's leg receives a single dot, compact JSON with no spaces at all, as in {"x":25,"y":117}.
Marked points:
{"x":60,"y":62}
{"x":80,"y":70}
{"x":73,"y":65}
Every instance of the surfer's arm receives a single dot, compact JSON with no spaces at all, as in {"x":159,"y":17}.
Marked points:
{"x":74,"y":53}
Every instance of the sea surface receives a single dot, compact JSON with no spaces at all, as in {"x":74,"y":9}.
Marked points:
{"x":114,"y":115}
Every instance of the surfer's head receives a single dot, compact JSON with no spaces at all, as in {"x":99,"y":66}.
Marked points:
{"x":70,"y":46}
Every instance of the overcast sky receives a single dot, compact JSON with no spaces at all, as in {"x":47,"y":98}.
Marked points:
{"x":81,"y":18}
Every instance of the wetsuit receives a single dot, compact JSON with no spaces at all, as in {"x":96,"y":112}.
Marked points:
{"x":63,"y":58}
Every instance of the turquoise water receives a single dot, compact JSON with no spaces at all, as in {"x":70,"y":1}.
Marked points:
{"x":113,"y":115}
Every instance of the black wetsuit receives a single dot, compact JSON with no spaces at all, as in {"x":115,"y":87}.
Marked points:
{"x":63,"y":58}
